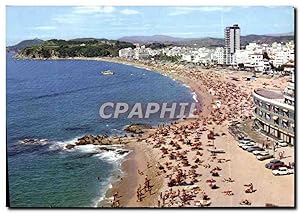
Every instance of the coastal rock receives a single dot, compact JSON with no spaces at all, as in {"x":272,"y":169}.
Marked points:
{"x":70,"y":146}
{"x":34,"y":141}
{"x":137,"y":128}
{"x":107,"y":149}
{"x":122,"y":152}
{"x":98,"y":140}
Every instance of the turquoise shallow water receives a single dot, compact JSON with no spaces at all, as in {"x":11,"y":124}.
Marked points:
{"x":60,"y":100}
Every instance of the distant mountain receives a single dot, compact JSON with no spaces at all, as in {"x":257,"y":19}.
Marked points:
{"x":25,"y":43}
{"x":207,"y":41}
{"x":268,"y":39}
{"x":151,"y":39}
{"x":88,"y":39}
{"x":281,"y":34}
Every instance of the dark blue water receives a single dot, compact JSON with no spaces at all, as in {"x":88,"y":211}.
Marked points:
{"x":59,"y":100}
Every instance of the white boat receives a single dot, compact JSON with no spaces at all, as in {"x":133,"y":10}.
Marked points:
{"x":107,"y":72}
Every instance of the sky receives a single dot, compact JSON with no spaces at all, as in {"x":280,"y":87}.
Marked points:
{"x":67,"y":22}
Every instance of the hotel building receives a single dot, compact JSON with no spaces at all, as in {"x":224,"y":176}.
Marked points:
{"x":274,"y":112}
{"x":232,"y":42}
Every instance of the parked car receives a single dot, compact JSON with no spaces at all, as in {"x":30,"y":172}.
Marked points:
{"x":248,"y":143}
{"x":254,"y":148}
{"x":245,"y":140}
{"x":264,"y":157}
{"x":282,"y":143}
{"x":258,"y":150}
{"x":282,"y":171}
{"x":245,"y":147}
{"x":263,"y":152}
{"x":277,"y":166}
{"x":273,"y":162}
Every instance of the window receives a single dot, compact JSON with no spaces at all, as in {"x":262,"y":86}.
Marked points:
{"x":276,"y":119}
{"x":285,"y":112}
{"x":285,"y":123}
{"x":268,"y":117}
{"x":276,"y":109}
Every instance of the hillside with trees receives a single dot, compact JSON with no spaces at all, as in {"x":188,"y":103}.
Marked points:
{"x":74,"y":48}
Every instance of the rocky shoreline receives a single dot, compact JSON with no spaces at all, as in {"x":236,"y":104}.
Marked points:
{"x":134,"y":129}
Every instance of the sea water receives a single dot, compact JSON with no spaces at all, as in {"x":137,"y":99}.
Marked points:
{"x":59,"y":100}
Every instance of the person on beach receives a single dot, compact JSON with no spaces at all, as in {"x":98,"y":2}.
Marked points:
{"x":115,"y":196}
{"x":140,"y":173}
{"x":138,"y":195}
{"x":147,"y":186}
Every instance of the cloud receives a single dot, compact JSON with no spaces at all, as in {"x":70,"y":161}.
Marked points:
{"x":45,"y":28}
{"x":93,"y":9}
{"x":80,"y":14}
{"x":187,"y":10}
{"x":129,"y":12}
{"x":68,"y":19}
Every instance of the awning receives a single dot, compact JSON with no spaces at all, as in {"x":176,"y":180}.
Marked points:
{"x":283,"y":120}
{"x":275,"y":117}
{"x":285,"y":110}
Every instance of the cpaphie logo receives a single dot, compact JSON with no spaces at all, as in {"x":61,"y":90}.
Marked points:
{"x":110,"y":110}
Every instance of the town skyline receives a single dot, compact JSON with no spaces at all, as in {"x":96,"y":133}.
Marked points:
{"x":65,"y":22}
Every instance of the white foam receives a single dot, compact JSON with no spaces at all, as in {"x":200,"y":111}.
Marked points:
{"x":112,"y":156}
{"x":57,"y":145}
{"x":195,"y":97}
{"x":187,"y":86}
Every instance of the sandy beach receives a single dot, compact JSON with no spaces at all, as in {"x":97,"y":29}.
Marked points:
{"x":180,"y":159}
{"x":172,"y":165}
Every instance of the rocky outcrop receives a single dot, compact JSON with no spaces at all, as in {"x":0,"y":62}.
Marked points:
{"x":97,"y":140}
{"x":138,"y":128}
{"x":70,"y":146}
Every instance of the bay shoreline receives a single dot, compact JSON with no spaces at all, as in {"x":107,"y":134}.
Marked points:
{"x":266,"y":184}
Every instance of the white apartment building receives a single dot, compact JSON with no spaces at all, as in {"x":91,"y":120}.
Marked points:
{"x":241,"y":57}
{"x":251,"y":59}
{"x":218,"y":55}
{"x":252,"y":56}
{"x":126,"y":53}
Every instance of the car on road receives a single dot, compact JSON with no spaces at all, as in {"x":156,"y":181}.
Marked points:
{"x":254,"y":148}
{"x":245,"y":139}
{"x":277,"y":166}
{"x":282,"y":171}
{"x":264,"y":157}
{"x":263,"y":152}
{"x":245,"y":147}
{"x":273,"y":162}
{"x":281,"y":143}
{"x":248,"y":143}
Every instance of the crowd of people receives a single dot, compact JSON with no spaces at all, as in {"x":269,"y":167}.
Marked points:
{"x":188,"y":160}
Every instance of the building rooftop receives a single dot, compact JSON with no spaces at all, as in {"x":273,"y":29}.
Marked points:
{"x":271,"y":94}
